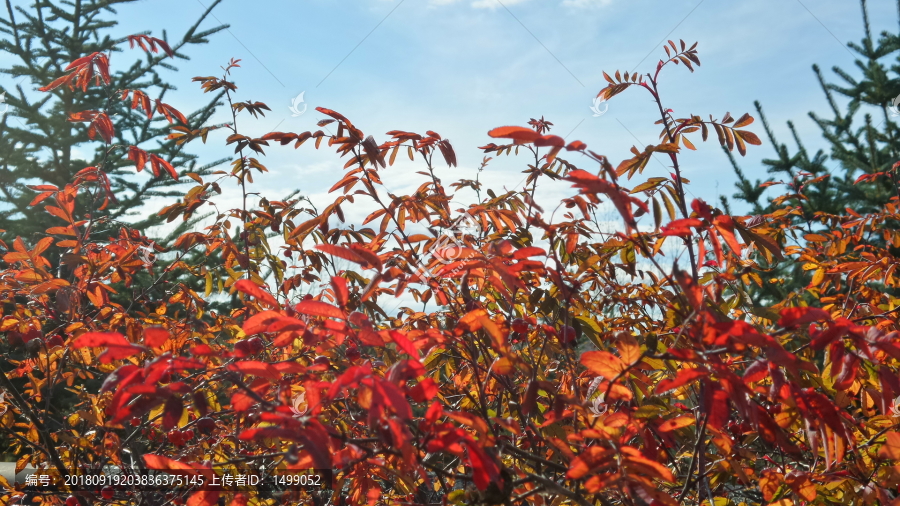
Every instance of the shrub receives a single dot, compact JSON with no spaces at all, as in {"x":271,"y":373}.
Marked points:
{"x":550,"y":363}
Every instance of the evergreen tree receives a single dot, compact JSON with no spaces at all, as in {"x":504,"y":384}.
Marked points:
{"x":863,"y":145}
{"x":41,"y":147}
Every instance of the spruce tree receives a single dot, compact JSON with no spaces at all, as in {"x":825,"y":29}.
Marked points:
{"x":858,"y":171}
{"x":40,"y":146}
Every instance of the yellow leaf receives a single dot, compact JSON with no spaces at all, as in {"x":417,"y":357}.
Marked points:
{"x":818,"y":277}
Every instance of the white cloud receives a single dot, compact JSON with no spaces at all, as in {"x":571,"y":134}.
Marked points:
{"x":586,"y":3}
{"x":495,"y":4}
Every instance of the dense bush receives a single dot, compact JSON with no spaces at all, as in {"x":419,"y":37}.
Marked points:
{"x":551,"y":363}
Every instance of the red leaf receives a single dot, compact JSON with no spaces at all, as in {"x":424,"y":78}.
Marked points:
{"x":592,"y":457}
{"x":447,"y":153}
{"x":172,"y":413}
{"x":271,"y":321}
{"x":341,"y":293}
{"x":576,"y":146}
{"x":683,"y":377}
{"x":424,"y":391}
{"x":202,"y":350}
{"x":161,"y":463}
{"x":484,"y":470}
{"x":725,"y":225}
{"x":691,"y":289}
{"x":793,"y":316}
{"x":44,"y":187}
{"x":386,"y":394}
{"x":681,"y":227}
{"x":345,"y":253}
{"x":242,"y":402}
{"x":250,"y":288}
{"x":756,"y":371}
{"x":335,"y":115}
{"x":154,"y":337}
{"x":530,"y":251}
{"x":117,"y":347}
{"x":157,"y":162}
{"x":318,"y":308}
{"x":521,"y":135}
{"x":99,"y":123}
{"x":717,"y":405}
{"x":590,"y":184}
{"x":402,"y":342}
{"x":550,"y":140}
{"x":373,"y":262}
{"x":256,"y":368}
{"x":138,"y":156}
{"x":845,"y":379}
{"x":168,"y":111}
{"x":701,"y":207}
{"x":204,"y":497}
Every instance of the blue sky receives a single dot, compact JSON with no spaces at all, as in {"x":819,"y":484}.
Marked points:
{"x":462,"y":67}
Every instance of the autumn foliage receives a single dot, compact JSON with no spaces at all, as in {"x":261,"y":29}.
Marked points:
{"x":552,"y":363}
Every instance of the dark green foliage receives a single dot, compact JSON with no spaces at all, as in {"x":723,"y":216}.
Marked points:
{"x":41,"y":147}
{"x":862,"y":142}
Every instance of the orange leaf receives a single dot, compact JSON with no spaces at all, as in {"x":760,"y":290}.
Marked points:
{"x":168,"y":111}
{"x":591,"y":458}
{"x":519,"y":134}
{"x":157,"y":162}
{"x":256,"y":368}
{"x":891,"y":447}
{"x":138,"y":156}
{"x":676,"y":423}
{"x":318,"y":308}
{"x":251,"y":288}
{"x":636,"y":461}
{"x":801,"y":485}
{"x":550,"y":140}
{"x":603,"y":363}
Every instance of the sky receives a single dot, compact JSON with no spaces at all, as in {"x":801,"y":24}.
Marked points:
{"x":463,"y":67}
